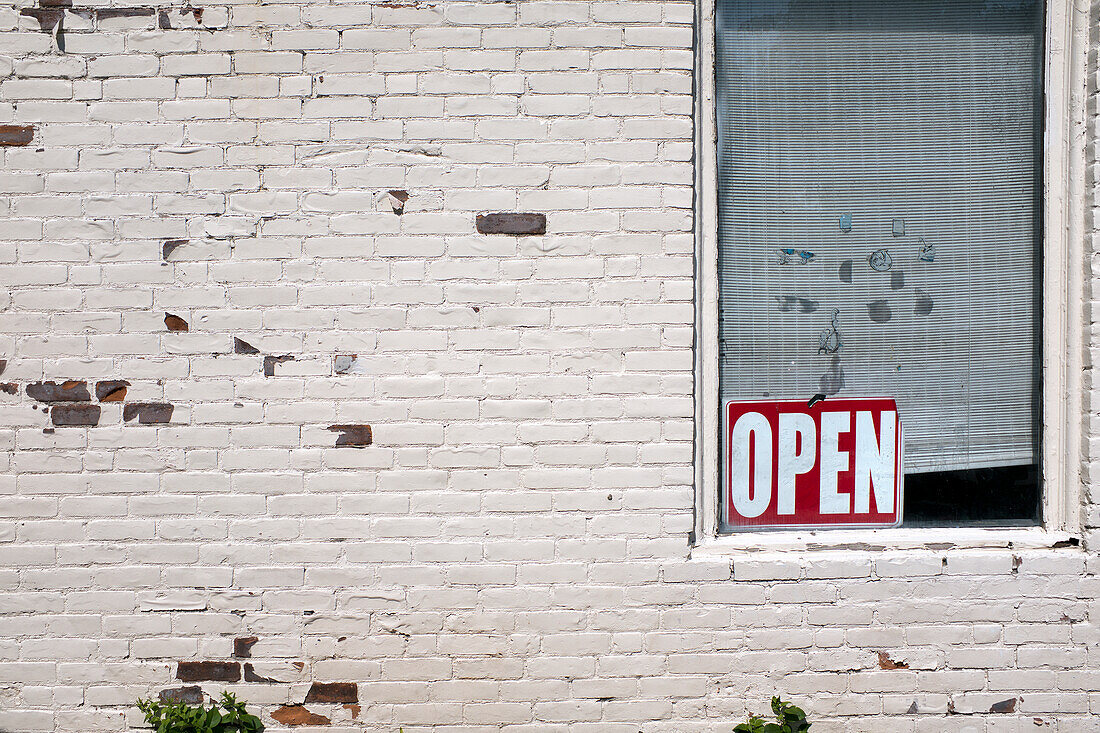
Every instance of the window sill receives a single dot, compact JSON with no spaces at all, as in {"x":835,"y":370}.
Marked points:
{"x":872,"y":540}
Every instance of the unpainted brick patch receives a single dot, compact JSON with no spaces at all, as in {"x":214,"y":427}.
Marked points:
{"x":270,"y":362}
{"x":293,"y":715}
{"x":1004,"y":706}
{"x":511,"y":223}
{"x":242,"y":646}
{"x":352,"y":436}
{"x":75,"y":415}
{"x":111,"y":390}
{"x":70,"y":391}
{"x":148,"y":413}
{"x":192,"y":695}
{"x":208,"y":671}
{"x":243,"y":347}
{"x":174,"y":323}
{"x":16,"y":135}
{"x":884,"y":662}
{"x":9,"y":387}
{"x":170,"y":246}
{"x":337,"y":692}
{"x":102,"y":13}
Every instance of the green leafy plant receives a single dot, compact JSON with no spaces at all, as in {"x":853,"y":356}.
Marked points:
{"x":227,"y":716}
{"x":789,"y":719}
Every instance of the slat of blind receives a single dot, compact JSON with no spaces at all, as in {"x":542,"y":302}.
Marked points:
{"x":924,"y":113}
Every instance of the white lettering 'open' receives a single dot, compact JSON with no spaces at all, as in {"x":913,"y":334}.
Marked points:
{"x":797,"y":455}
{"x":751,"y":495}
{"x":833,"y":461}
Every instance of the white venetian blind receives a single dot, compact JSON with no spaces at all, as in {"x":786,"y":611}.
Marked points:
{"x":906,"y":129}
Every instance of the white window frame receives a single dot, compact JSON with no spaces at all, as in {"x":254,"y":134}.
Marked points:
{"x":1063,"y":322}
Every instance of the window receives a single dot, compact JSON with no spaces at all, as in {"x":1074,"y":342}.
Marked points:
{"x":879,"y":230}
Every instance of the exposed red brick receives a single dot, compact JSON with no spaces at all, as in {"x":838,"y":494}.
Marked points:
{"x":15,"y":134}
{"x":148,"y":413}
{"x":344,"y":692}
{"x":3,"y":365}
{"x":70,"y":391}
{"x":242,"y":646}
{"x":884,"y":662}
{"x":9,"y":387}
{"x":354,"y":711}
{"x":175,"y":323}
{"x":208,"y":671}
{"x":297,"y":715}
{"x":124,"y":12}
{"x":243,"y":347}
{"x":111,"y":390}
{"x":352,"y":436}
{"x":511,"y":223}
{"x":75,"y":415}
{"x":1004,"y":706}
{"x":190,"y":695}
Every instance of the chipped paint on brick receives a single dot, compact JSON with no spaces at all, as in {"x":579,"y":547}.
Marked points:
{"x":174,"y":323}
{"x":69,"y":391}
{"x":16,"y":135}
{"x":885,"y":662}
{"x":270,"y":362}
{"x":190,"y":695}
{"x":398,"y":199}
{"x":111,"y":390}
{"x":74,"y":415}
{"x":1004,"y":706}
{"x":294,"y":715}
{"x":511,"y":223}
{"x":169,"y":246}
{"x":344,"y":363}
{"x":208,"y":671}
{"x":136,"y":12}
{"x":9,"y":388}
{"x":240,"y":346}
{"x":242,"y":646}
{"x":250,"y":675}
{"x":333,"y":692}
{"x":148,"y":413}
{"x":353,"y":436}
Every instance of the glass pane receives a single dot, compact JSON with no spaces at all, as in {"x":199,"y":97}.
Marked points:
{"x":879,"y":224}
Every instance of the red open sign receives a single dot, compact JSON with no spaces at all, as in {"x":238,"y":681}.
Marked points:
{"x":836,"y":464}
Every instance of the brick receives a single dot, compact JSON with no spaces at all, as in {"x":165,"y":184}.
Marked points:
{"x":68,"y":391}
{"x":208,"y":671}
{"x":191,"y":695}
{"x":15,"y":135}
{"x":148,"y":413}
{"x":353,"y":436}
{"x":509,"y":223}
{"x":333,"y":692}
{"x":75,"y":415}
{"x":293,"y":715}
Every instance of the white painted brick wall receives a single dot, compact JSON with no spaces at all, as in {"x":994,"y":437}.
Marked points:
{"x":511,"y":552}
